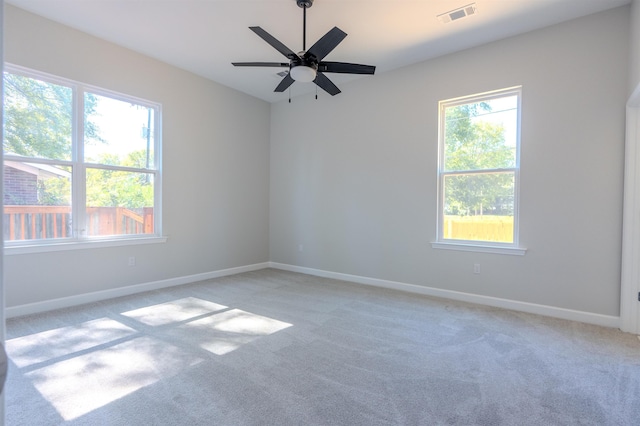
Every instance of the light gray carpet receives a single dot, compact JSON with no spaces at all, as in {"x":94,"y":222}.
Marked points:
{"x":278,"y":348}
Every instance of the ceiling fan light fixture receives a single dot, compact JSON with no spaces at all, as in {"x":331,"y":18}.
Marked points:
{"x":303,"y":73}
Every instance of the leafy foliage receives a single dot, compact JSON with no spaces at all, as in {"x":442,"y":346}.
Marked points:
{"x":39,"y":117}
{"x":110,"y":188}
{"x":54,"y":191}
{"x":473,"y":144}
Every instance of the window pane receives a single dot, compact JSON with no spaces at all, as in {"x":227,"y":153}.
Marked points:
{"x":118,"y":133}
{"x":479,"y":207}
{"x":38,"y":118}
{"x":119,"y":203}
{"x":37,"y":201}
{"x":481,"y":135}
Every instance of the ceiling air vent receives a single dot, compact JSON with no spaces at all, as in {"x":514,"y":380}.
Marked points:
{"x":458,"y":13}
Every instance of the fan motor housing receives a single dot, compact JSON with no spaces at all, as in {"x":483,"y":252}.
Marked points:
{"x":304,"y":3}
{"x":305,"y":63}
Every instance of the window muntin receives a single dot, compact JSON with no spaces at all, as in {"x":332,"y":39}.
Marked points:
{"x":479,"y":168}
{"x":80,"y":163}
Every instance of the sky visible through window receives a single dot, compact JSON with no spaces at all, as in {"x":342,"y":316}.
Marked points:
{"x":122,"y":126}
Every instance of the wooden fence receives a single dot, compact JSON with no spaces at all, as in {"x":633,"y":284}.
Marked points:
{"x":40,"y":222}
{"x":479,"y":228}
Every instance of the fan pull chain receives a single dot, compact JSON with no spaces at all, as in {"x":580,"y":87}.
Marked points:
{"x":289,"y":94}
{"x":316,"y":92}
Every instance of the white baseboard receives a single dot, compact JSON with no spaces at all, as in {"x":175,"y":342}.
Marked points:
{"x":532,"y":308}
{"x":80,"y":299}
{"x":550,"y":311}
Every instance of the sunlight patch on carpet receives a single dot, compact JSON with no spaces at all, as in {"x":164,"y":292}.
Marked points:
{"x":81,"y":368}
{"x":174,"y":311}
{"x":227,"y":331}
{"x":50,"y":344}
{"x":81,"y":384}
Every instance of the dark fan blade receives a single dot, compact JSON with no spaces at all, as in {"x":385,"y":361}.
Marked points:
{"x":274,"y":42}
{"x":325,"y":84}
{"x":326,"y":44}
{"x":261,"y":64}
{"x":346,"y":68}
{"x":284,"y":84}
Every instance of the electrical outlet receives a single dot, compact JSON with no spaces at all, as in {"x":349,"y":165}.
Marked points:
{"x":132,"y":261}
{"x":476,"y":268}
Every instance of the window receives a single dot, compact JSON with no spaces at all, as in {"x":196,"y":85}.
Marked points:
{"x":80,"y":163}
{"x":479,"y":150}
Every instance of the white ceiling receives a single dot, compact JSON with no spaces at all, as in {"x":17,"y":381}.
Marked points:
{"x":205,"y":36}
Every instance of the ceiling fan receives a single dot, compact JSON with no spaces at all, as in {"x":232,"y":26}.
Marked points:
{"x":308,"y":65}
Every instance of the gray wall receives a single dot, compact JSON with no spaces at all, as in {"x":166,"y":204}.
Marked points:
{"x":634,"y":47}
{"x":353,"y":178}
{"x":216,"y":168}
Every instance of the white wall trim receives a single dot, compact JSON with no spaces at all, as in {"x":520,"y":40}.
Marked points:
{"x":80,"y":299}
{"x":532,"y":308}
{"x":630,"y":273}
{"x":30,"y":247}
{"x":480,"y":248}
{"x":550,"y":311}
{"x":2,"y":292}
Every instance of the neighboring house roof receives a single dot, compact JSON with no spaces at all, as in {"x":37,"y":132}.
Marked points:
{"x":40,"y":170}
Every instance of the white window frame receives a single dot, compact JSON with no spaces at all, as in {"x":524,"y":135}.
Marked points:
{"x":79,"y":240}
{"x":472,"y":245}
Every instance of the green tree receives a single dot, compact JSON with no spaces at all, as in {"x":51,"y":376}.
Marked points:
{"x":107,"y":188}
{"x":472,"y":144}
{"x":38,"y":118}
{"x":54,"y":191}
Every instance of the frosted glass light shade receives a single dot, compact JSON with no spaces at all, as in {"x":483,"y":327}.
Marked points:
{"x":303,"y":74}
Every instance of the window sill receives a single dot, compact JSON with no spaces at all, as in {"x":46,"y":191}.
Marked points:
{"x":513,"y":251}
{"x":79,"y":245}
